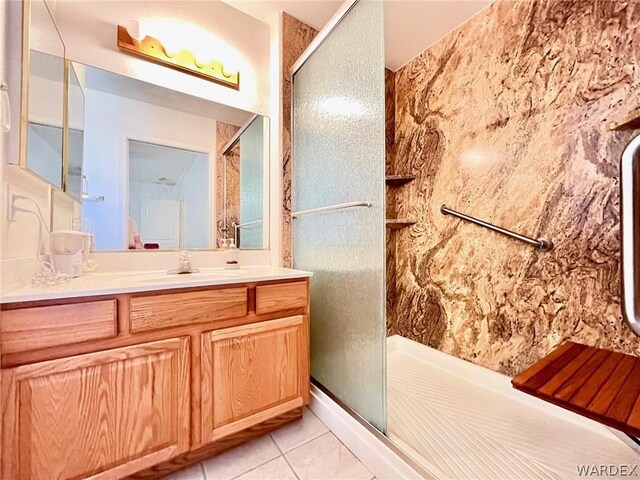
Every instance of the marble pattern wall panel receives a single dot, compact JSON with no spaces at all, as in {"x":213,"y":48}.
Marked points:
{"x":224,"y":133}
{"x":390,"y":197}
{"x":296,"y":37}
{"x":506,"y":119}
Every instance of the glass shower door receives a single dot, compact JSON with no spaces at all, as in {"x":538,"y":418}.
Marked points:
{"x":338,"y":207}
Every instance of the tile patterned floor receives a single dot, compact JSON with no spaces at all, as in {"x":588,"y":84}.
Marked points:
{"x":303,"y":450}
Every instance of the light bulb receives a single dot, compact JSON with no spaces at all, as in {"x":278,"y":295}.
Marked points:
{"x":171,"y":44}
{"x":135,"y":30}
{"x":5,"y":110}
{"x":230,"y":67}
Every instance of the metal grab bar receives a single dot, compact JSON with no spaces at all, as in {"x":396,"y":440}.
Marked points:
{"x":543,"y":244}
{"x":329,"y":208}
{"x":630,"y":237}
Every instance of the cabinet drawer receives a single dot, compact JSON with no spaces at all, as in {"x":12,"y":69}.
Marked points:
{"x":276,"y":298}
{"x":177,"y":309}
{"x":42,"y":327}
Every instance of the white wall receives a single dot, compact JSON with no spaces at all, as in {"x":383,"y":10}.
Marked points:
{"x":218,"y":30}
{"x":106,"y":162}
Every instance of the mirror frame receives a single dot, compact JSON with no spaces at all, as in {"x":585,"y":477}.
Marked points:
{"x":24,"y":98}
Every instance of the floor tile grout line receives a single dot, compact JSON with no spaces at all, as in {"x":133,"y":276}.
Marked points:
{"x":354,"y":455}
{"x":291,"y":466}
{"x":257,"y":466}
{"x":305,"y":442}
{"x":372,"y":477}
{"x":284,"y":456}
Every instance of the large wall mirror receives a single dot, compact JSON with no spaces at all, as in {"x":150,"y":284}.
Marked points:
{"x":44,"y":92}
{"x":163,"y":170}
{"x":149,"y":168}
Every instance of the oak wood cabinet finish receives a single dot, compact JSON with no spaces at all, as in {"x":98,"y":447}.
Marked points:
{"x":151,"y":312}
{"x":271,"y":298}
{"x":109,"y":413}
{"x":41,"y":327}
{"x":182,"y":374}
{"x":249,"y":374}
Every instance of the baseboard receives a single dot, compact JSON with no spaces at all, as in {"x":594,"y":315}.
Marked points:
{"x":373,"y":449}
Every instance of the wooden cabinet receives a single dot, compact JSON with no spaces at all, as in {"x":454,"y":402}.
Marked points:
{"x":275,"y":298}
{"x":252,"y":373}
{"x":142,"y":384}
{"x":151,"y":312}
{"x":106,"y":414}
{"x":43,"y":327}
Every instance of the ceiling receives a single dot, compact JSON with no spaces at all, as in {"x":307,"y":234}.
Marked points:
{"x":158,"y":164}
{"x":411,"y":26}
{"x":315,"y":13}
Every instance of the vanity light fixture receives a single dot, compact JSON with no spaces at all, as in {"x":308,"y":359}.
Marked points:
{"x":184,"y":61}
{"x":5,"y":108}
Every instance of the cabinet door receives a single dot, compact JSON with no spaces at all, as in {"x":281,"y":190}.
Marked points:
{"x":252,"y":373}
{"x":102,"y":415}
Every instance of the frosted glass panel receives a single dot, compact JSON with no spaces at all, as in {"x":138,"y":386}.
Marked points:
{"x":338,"y":157}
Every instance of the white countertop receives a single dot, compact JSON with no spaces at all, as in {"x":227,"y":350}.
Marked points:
{"x":143,"y":281}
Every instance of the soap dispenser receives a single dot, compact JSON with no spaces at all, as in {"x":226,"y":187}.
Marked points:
{"x":232,"y":256}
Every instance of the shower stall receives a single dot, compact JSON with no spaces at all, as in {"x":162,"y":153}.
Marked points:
{"x":453,"y":418}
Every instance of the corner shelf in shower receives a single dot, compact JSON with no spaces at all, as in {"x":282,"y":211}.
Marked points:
{"x":398,"y":223}
{"x":395,"y":181}
{"x":628,"y":121}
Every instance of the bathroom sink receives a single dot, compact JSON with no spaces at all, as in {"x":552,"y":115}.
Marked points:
{"x":162,"y":277}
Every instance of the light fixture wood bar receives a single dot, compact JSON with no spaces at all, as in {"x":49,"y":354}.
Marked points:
{"x":184,"y":61}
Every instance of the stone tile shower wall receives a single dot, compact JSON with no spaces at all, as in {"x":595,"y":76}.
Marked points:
{"x":296,"y":37}
{"x":506,"y":119}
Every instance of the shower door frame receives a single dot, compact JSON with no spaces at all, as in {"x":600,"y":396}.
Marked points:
{"x":318,"y":40}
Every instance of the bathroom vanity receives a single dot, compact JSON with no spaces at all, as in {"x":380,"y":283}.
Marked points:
{"x":141,"y":374}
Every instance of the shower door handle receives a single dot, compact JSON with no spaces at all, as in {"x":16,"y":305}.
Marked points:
{"x":330,"y":208}
{"x":630,"y":237}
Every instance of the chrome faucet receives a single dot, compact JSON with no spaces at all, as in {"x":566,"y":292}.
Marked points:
{"x":184,"y":264}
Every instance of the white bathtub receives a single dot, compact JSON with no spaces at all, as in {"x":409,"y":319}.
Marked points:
{"x":462,"y":421}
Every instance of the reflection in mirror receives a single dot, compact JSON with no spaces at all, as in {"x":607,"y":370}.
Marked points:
{"x":44,"y":152}
{"x":75,"y":138}
{"x":168,"y":197}
{"x":45,"y":99}
{"x":154,"y":171}
{"x":244,"y":185}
